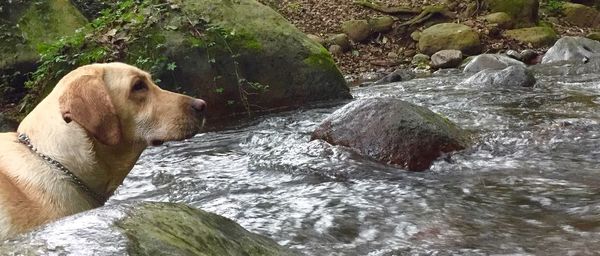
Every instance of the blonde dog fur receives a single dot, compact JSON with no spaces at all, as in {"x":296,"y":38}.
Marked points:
{"x":96,"y":122}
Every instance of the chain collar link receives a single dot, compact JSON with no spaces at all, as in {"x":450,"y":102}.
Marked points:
{"x":24,"y":139}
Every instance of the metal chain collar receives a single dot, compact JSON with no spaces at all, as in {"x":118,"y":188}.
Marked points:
{"x":24,"y":139}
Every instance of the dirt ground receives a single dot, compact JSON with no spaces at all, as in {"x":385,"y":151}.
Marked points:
{"x":387,"y":52}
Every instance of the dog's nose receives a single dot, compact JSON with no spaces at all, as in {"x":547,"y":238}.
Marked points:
{"x":199,"y":106}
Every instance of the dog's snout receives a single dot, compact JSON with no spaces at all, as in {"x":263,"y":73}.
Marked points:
{"x":199,"y":106}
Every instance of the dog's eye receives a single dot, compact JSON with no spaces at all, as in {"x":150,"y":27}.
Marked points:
{"x":139,"y":86}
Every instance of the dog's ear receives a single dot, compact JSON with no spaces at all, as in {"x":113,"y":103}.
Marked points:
{"x":86,"y":101}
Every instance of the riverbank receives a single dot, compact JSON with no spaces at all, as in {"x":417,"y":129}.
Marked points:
{"x":385,"y":52}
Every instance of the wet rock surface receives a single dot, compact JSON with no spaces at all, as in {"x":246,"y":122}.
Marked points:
{"x":490,"y":61}
{"x":574,"y":49}
{"x":392,"y":131}
{"x":143,"y":229}
{"x":512,"y":76}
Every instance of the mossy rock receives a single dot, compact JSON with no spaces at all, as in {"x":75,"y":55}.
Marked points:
{"x":581,"y":15}
{"x":501,"y":19}
{"x":357,"y":30}
{"x":536,"y":36}
{"x":242,"y":57}
{"x":449,"y":36}
{"x":593,"y":35}
{"x":24,"y":27}
{"x":524,"y":12}
{"x":144,"y":229}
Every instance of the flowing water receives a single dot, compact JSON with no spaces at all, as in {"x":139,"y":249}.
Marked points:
{"x":530,"y":185}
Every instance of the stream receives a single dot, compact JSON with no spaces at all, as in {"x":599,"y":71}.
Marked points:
{"x":528,"y":186}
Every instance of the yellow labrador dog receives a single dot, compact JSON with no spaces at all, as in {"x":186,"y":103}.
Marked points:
{"x":76,"y":147}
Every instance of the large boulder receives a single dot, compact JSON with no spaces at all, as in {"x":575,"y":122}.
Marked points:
{"x":574,"y":49}
{"x":490,"y":61}
{"x":143,"y":229}
{"x":449,"y":36}
{"x":26,"y":26}
{"x":524,"y":12}
{"x":392,"y":131}
{"x":536,"y":36}
{"x":512,"y":76}
{"x":242,"y":57}
{"x":581,"y":15}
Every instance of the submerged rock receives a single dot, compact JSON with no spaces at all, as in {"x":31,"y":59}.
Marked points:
{"x":396,"y":76}
{"x":449,"y":36}
{"x":574,"y":49}
{"x":512,"y":76}
{"x":143,"y":229}
{"x":490,"y":61}
{"x":392,"y":131}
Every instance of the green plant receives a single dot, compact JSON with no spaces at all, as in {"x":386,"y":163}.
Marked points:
{"x":554,"y":7}
{"x":130,"y":31}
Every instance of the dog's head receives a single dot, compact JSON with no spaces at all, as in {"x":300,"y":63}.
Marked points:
{"x":118,"y":103}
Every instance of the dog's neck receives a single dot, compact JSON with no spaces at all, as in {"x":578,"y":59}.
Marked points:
{"x":102,"y":168}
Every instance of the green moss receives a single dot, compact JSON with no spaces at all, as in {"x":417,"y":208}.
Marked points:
{"x":321,"y":59}
{"x":170,"y":229}
{"x":46,"y":21}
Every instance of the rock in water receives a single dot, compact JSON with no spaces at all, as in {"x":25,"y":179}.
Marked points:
{"x":397,"y":76}
{"x":446,"y":59}
{"x":143,"y":229}
{"x":575,"y":49}
{"x":392,"y":131}
{"x":449,"y":36}
{"x":490,"y":61}
{"x":512,"y":76}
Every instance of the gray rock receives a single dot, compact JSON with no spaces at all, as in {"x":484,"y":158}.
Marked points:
{"x":143,"y":229}
{"x":514,"y":54}
{"x":512,"y":76}
{"x":568,"y":68}
{"x":446,"y":59}
{"x":491,"y":61}
{"x":396,"y":76}
{"x":392,"y":131}
{"x":528,"y":56}
{"x":336,"y":50}
{"x":574,"y":49}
